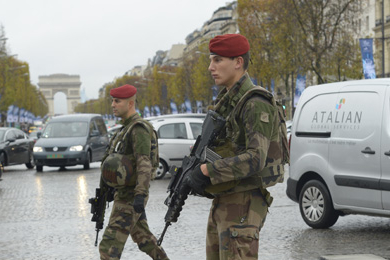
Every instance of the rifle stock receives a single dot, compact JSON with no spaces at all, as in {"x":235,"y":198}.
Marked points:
{"x":200,"y":153}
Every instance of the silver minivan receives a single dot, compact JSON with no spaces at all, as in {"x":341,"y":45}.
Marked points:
{"x":340,"y":151}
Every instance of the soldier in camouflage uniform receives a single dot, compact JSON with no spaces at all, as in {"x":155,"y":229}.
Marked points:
{"x":241,"y":201}
{"x":130,"y":175}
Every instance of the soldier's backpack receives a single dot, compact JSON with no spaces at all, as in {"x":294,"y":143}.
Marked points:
{"x":272,"y":173}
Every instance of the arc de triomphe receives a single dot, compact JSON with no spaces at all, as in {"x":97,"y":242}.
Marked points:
{"x":67,"y":84}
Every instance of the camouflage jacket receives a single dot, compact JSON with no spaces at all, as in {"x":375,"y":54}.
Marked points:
{"x":137,"y":145}
{"x":245,"y":142}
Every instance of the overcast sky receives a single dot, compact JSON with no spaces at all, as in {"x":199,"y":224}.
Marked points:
{"x":97,"y":39}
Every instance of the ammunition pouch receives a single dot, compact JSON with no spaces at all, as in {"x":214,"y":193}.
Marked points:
{"x":117,"y":171}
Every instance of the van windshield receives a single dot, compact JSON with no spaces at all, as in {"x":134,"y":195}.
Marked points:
{"x":65,"y":129}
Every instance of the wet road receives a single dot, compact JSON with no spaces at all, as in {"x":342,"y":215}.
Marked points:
{"x":46,"y":215}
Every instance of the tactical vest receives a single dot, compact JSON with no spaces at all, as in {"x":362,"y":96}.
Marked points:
{"x":273,"y":172}
{"x":116,"y":153}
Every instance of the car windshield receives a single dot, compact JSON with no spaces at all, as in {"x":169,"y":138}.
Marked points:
{"x":65,"y":129}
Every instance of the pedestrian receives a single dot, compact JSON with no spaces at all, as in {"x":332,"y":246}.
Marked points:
{"x":128,"y":213}
{"x":240,"y":204}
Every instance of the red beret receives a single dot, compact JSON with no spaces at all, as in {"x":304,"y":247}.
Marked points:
{"x":229,"y":45}
{"x":125,"y":91}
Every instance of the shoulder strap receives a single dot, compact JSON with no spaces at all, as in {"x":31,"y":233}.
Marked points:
{"x":255,"y":91}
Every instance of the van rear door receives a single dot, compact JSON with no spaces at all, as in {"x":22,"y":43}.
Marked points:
{"x":354,"y":149}
{"x":385,"y":153}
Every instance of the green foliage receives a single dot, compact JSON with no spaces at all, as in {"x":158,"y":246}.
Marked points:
{"x":201,"y":77}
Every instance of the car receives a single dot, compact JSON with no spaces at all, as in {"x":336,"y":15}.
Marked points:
{"x":340,"y":151}
{"x":34,"y":135}
{"x":113,"y":129}
{"x":15,"y":147}
{"x":184,"y":115}
{"x":176,"y":136}
{"x":69,"y":140}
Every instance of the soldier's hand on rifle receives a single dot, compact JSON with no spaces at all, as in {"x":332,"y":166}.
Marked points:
{"x":197,"y":180}
{"x":138,"y":203}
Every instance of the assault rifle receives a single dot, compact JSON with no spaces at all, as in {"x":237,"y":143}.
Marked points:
{"x":98,"y":207}
{"x":200,"y":153}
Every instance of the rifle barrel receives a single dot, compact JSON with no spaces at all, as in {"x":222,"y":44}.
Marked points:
{"x":159,"y":241}
{"x":97,"y":234}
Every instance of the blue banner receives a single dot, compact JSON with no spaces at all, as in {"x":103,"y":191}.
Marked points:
{"x":367,"y":58}
{"x":199,"y":107}
{"x":188,"y":106}
{"x":10,"y":116}
{"x":21,"y":115}
{"x":173,"y":107}
{"x":146,"y":111}
{"x":157,"y":111}
{"x":214,"y":89}
{"x":299,"y":87}
{"x":15,"y":114}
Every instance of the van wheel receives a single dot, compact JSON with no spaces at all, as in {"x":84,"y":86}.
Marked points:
{"x":87,"y":161}
{"x":316,"y":205}
{"x":161,"y":170}
{"x":39,"y":168}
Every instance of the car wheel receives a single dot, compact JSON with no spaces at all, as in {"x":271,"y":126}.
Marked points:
{"x":161,"y":170}
{"x":87,"y":161}
{"x":316,"y":205}
{"x":31,"y":163}
{"x":39,"y":168}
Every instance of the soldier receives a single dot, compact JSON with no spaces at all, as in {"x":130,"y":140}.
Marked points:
{"x":241,"y":201}
{"x":127,"y":167}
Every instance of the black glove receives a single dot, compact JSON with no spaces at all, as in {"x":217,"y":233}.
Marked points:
{"x":197,"y":181}
{"x":138,"y":204}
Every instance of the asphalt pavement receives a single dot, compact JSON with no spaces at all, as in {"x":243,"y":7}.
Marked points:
{"x":46,"y":215}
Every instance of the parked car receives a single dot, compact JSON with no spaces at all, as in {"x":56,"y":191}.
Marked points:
{"x":69,"y":140}
{"x":176,"y":136}
{"x":340,"y":151}
{"x":15,"y":147}
{"x":113,"y":129}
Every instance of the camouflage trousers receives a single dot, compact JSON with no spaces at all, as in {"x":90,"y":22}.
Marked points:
{"x":124,"y":221}
{"x":234,"y":225}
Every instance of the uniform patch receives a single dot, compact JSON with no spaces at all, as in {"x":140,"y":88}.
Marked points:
{"x":264,"y":117}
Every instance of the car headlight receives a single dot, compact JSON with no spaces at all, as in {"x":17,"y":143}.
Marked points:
{"x":76,"y":148}
{"x":37,"y":149}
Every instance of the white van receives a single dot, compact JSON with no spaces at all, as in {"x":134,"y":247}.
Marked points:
{"x":340,"y":151}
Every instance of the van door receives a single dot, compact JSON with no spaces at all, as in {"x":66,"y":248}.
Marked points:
{"x":97,"y":141}
{"x":385,"y":153}
{"x":355,"y":149}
